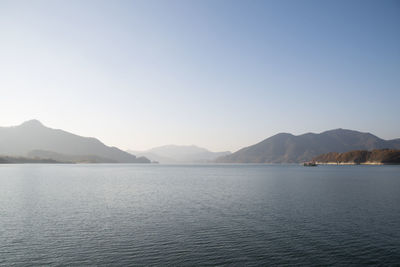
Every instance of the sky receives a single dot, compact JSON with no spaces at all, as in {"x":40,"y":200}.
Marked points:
{"x":218,"y":74}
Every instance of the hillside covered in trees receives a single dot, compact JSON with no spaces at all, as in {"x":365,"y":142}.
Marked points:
{"x":377,"y":156}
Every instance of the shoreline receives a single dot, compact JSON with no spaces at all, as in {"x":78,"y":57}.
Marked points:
{"x":353,"y":163}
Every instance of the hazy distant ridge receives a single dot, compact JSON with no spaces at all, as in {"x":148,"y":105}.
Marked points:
{"x":33,"y":139}
{"x":180,"y":154}
{"x":288,"y":148}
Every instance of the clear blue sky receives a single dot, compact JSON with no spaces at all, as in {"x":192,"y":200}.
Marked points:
{"x":218,"y":74}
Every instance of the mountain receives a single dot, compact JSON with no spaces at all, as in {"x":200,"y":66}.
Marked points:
{"x":288,"y":148}
{"x":377,"y":156}
{"x":180,"y":154}
{"x":33,"y":139}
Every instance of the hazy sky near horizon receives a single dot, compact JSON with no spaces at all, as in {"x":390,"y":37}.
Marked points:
{"x":218,"y":74}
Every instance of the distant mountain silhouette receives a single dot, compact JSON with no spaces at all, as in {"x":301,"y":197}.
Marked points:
{"x":180,"y":154}
{"x":33,"y":139}
{"x":288,"y":148}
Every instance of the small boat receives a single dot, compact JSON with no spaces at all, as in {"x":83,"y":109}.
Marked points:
{"x":310,"y":164}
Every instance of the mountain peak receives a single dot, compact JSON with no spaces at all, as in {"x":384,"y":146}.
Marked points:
{"x":342,"y":130}
{"x":32,"y":123}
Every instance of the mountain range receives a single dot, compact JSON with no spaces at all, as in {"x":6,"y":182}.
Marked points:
{"x":180,"y":154}
{"x":289,"y":148}
{"x":34,"y":140}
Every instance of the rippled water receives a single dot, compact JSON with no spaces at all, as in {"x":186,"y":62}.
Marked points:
{"x":199,"y":215}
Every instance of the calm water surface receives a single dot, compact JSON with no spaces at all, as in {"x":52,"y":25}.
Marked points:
{"x":199,"y":215}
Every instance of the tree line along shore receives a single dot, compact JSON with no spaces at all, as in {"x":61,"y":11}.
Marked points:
{"x":364,"y":157}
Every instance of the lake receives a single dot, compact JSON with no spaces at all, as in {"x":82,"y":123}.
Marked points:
{"x":185,"y":215}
